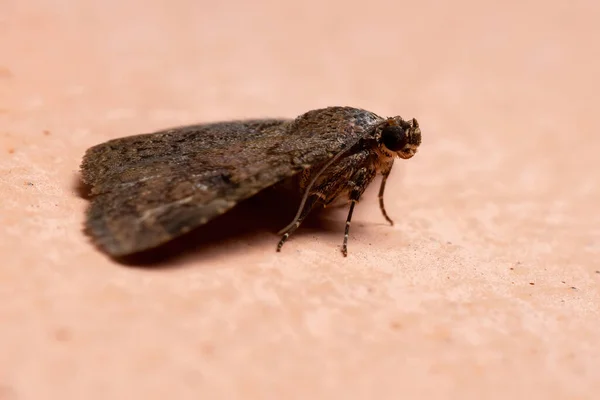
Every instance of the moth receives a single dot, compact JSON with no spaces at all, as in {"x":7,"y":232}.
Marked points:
{"x":148,"y":189}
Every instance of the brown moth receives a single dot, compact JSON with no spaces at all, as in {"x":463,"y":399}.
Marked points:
{"x":151,"y":188}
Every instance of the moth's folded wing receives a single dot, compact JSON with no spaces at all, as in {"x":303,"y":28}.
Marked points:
{"x":149,"y":189}
{"x":320,"y":134}
{"x":144,"y":196}
{"x":140,"y":215}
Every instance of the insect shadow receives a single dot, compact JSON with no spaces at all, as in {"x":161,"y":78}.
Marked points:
{"x":254,"y":221}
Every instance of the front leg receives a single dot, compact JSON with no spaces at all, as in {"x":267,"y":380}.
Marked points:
{"x":385,"y":173}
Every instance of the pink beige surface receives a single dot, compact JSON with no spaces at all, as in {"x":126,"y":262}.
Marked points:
{"x":488,"y":286}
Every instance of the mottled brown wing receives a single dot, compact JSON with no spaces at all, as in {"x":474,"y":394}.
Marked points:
{"x":148,"y":189}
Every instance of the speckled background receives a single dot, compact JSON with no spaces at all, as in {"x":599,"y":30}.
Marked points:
{"x":487,"y":287}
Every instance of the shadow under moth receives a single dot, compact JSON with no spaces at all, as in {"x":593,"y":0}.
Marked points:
{"x":150,"y":188}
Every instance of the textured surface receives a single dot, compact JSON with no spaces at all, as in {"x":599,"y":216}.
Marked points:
{"x":488,"y":284}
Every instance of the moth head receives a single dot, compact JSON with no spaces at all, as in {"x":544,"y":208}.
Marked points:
{"x":400,"y":136}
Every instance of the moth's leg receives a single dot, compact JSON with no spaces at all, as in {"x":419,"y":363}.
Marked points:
{"x":359,"y":183}
{"x":310,"y":203}
{"x":345,"y":245}
{"x":385,"y":175}
{"x":381,"y":206}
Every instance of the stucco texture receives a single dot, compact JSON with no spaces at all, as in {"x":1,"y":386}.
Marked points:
{"x":487,"y":286}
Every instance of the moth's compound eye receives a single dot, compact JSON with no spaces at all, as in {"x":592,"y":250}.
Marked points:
{"x":394,"y":138}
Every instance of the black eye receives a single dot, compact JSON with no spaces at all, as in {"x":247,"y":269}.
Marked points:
{"x":393,"y":137}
